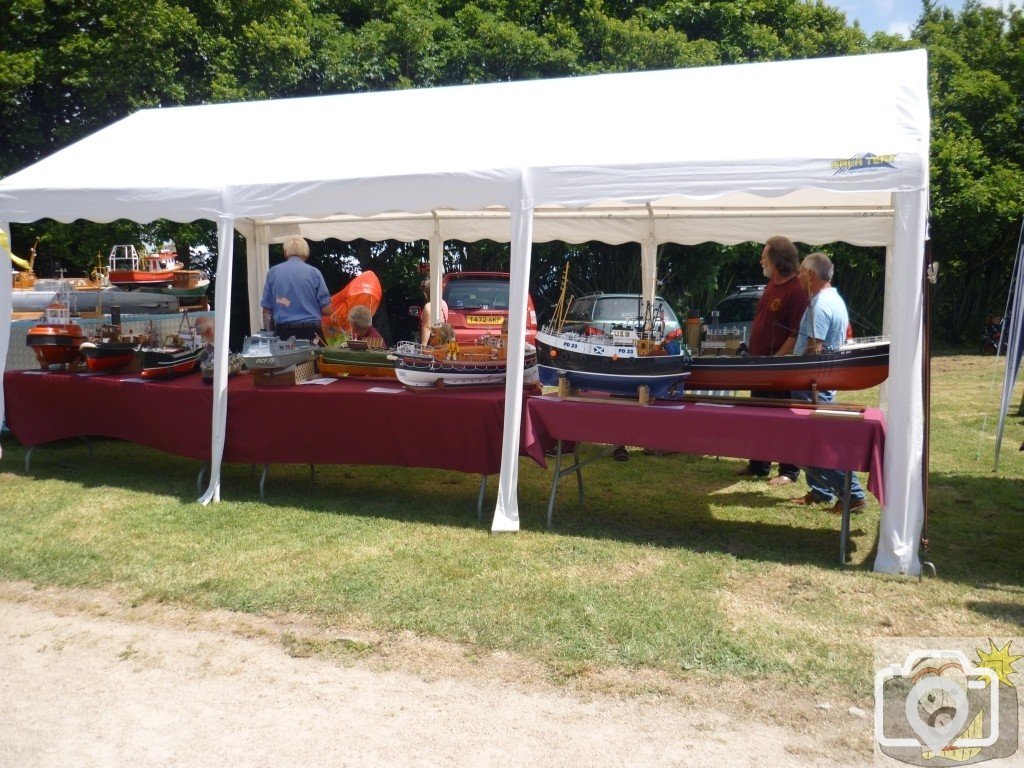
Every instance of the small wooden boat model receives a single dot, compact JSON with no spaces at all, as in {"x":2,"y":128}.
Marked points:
{"x":112,"y":348}
{"x":234,"y":366}
{"x":127,"y":269}
{"x":858,"y":364}
{"x":267,"y":352}
{"x":419,"y":365}
{"x":357,"y":358}
{"x":57,"y":340}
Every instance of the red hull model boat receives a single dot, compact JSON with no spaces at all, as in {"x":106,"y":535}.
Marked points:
{"x":125,"y":268}
{"x":111,"y":350}
{"x":182,"y":354}
{"x":859,"y":364}
{"x":56,"y":341}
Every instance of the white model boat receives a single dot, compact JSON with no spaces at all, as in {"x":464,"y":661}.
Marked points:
{"x":482,"y":363}
{"x":267,"y":352}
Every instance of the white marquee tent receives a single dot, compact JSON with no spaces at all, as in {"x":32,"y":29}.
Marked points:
{"x":819,"y":150}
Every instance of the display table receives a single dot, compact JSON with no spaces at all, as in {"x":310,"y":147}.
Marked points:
{"x":792,"y":435}
{"x":349,"y":421}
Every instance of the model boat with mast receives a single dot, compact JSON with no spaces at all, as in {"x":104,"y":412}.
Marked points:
{"x":181,"y":353}
{"x":637,"y":361}
{"x":57,"y":340}
{"x":450,"y":363}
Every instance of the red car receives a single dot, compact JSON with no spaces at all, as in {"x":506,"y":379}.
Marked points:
{"x":478,"y":304}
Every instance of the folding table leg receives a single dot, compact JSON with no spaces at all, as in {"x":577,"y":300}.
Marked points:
{"x":199,"y":480}
{"x":263,"y":479}
{"x":480,"y":499}
{"x":844,"y":533}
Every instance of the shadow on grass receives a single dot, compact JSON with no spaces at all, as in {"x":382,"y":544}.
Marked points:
{"x":687,"y":502}
{"x":976,"y":530}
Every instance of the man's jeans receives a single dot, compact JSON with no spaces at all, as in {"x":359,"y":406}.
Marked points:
{"x":828,"y":483}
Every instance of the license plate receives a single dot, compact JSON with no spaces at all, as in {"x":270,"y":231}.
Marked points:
{"x":485,"y":319}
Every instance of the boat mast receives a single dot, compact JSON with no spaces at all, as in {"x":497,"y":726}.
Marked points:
{"x":562,"y":308}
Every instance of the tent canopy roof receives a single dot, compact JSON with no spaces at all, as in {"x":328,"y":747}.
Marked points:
{"x":776,"y":137}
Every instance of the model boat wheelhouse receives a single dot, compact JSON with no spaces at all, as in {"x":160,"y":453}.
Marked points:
{"x":265,"y":351}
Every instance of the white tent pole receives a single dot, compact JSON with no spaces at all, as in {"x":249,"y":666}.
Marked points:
{"x":1011,"y":326}
{"x":436,"y":269}
{"x":257,"y":263}
{"x":222,"y":330}
{"x":506,"y":511}
{"x":903,"y":515}
{"x":5,"y":315}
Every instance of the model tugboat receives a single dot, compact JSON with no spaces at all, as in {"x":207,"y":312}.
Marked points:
{"x":449,"y":363}
{"x":57,"y":340}
{"x":113,"y":347}
{"x":180,"y":355}
{"x":266,"y":352}
{"x":357,"y":357}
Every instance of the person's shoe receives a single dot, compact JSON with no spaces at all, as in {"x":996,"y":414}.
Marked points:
{"x":750,"y":472}
{"x":781,"y":480}
{"x":620,"y":454}
{"x":856,"y":505}
{"x":811,"y":498}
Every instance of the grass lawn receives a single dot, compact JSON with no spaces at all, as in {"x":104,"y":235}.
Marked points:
{"x":674,"y":565}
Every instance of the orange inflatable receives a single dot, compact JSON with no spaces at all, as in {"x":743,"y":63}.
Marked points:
{"x":363,"y":289}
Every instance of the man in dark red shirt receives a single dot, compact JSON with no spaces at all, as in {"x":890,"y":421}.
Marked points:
{"x":774,"y":329}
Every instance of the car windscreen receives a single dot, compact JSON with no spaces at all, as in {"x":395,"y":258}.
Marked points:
{"x":739,"y":309}
{"x":476,"y":294}
{"x":617,"y":309}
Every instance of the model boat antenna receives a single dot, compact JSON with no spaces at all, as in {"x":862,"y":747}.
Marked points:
{"x":563,"y":306}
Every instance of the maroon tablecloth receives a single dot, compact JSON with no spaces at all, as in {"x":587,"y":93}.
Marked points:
{"x":796,"y":436}
{"x":349,"y":421}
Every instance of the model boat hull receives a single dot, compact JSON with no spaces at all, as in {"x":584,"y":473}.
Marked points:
{"x":342,"y":361}
{"x":476,"y":365}
{"x":851,"y":368}
{"x":56,"y":344}
{"x":168,"y":362}
{"x":102,"y":357}
{"x":234,"y":366}
{"x":609,"y":367}
{"x":128,"y":278}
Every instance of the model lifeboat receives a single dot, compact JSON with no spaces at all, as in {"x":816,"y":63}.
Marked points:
{"x":57,"y":340}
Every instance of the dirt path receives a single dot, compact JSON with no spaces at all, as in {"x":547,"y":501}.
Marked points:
{"x":88,"y":680}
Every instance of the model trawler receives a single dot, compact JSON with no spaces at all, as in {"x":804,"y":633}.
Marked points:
{"x":181,"y":354}
{"x":447,"y":362}
{"x":265,"y":352}
{"x":638,"y":360}
{"x":126,"y":268}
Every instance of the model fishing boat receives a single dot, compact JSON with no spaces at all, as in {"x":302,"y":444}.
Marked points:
{"x":858,"y":364}
{"x":357,"y":358}
{"x":57,"y":340}
{"x":454,"y":364}
{"x":635,"y":361}
{"x":234,"y":366}
{"x":112,"y":348}
{"x":127,"y":269}
{"x":180,"y":355}
{"x":267,"y":352}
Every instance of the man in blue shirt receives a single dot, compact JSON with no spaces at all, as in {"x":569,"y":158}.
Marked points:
{"x":295,"y":295}
{"x":823,"y":329}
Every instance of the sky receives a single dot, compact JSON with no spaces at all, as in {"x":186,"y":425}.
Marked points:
{"x":893,"y":16}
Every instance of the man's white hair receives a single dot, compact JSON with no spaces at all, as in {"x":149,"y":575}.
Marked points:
{"x":296,"y":246}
